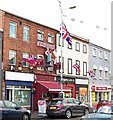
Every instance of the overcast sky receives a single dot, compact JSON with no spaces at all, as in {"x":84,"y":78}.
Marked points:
{"x":92,"y":18}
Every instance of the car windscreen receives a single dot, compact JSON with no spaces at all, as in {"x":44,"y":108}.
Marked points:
{"x":56,"y":102}
{"x":105,"y":109}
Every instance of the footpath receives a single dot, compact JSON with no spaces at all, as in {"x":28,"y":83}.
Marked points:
{"x":36,"y":115}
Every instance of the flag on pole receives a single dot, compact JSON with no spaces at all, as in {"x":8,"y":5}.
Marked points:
{"x":91,"y":73}
{"x":65,"y":34}
{"x":77,"y":67}
{"x":55,"y":54}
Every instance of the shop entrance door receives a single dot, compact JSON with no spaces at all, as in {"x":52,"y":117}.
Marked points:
{"x":9,"y":94}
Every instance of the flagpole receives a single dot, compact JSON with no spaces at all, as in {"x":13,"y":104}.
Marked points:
{"x":61,"y":40}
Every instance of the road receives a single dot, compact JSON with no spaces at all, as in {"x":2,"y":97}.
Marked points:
{"x":45,"y":118}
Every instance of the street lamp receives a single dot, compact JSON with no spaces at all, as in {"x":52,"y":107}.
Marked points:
{"x":61,"y":39}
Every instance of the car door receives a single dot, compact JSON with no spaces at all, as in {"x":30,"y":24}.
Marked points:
{"x":78,"y":108}
{"x":12,"y":112}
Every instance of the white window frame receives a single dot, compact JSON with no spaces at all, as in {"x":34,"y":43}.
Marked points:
{"x":12,"y":55}
{"x":94,"y":52}
{"x":77,"y":44}
{"x":105,"y":55}
{"x":40,"y":56}
{"x":100,"y":53}
{"x":40,"y":35}
{"x":50,"y":38}
{"x":84,"y":48}
{"x":100,"y":74}
{"x":26,"y":33}
{"x":25,"y":55}
{"x":13,"y":29}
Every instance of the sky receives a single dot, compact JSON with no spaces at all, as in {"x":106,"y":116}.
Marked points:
{"x":91,"y":19}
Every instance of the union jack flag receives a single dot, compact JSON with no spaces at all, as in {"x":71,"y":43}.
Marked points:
{"x":65,"y":34}
{"x":77,"y":67}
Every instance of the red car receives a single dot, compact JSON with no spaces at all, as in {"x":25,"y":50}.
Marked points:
{"x":103,"y":103}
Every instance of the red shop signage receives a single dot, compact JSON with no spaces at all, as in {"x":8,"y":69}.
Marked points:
{"x":101,"y":88}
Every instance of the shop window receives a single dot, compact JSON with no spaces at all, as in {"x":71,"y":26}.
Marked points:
{"x":22,"y":97}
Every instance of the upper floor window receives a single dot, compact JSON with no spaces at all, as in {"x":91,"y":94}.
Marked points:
{"x":26,"y":33}
{"x":105,"y":55}
{"x":25,"y":55}
{"x":41,"y":57}
{"x":77,"y":46}
{"x":94,"y":51}
{"x":50,"y":38}
{"x":100,"y":53}
{"x":84,"y":48}
{"x":78,"y":68}
{"x":12,"y":57}
{"x":13,"y":29}
{"x":85,"y":68}
{"x":40,"y":35}
{"x":62,"y":62}
{"x":69,"y":46}
{"x":69,"y":66}
{"x":100,"y":74}
{"x":60,"y":41}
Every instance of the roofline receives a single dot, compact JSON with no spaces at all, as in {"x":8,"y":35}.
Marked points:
{"x":5,"y":12}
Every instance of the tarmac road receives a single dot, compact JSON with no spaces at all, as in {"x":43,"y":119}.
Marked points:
{"x":35,"y":116}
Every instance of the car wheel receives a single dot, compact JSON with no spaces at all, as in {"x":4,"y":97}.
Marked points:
{"x":25,"y":117}
{"x":86,"y":111}
{"x":68,"y":114}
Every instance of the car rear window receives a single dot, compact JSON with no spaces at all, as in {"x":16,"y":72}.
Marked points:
{"x":56,"y":102}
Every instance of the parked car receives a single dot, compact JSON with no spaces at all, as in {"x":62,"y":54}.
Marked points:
{"x":67,"y":107}
{"x":103,"y":103}
{"x":12,"y":111}
{"x":103,"y":113}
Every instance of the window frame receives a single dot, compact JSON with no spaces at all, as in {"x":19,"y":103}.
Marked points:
{"x":26,"y":33}
{"x":13,"y":24}
{"x":77,"y":46}
{"x":41,"y":33}
{"x":84,"y":67}
{"x":50,"y":38}
{"x":11,"y":54}
{"x":69,"y":66}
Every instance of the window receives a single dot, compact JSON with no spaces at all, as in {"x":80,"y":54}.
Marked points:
{"x":78,"y":64}
{"x":105,"y":55}
{"x":94,"y":52}
{"x":10,"y":104}
{"x":40,"y":56}
{"x":94,"y":70}
{"x":69,"y":66}
{"x":106,"y":75}
{"x":26,"y":33}
{"x":85,"y":68}
{"x":84,"y":48}
{"x":100,"y":74}
{"x":12,"y":57}
{"x":13,"y":29}
{"x":100,"y":53}
{"x":25,"y":55}
{"x":60,"y":40}
{"x":62,"y":64}
{"x":77,"y":46}
{"x":40,"y":35}
{"x":69,"y":46}
{"x":50,"y":38}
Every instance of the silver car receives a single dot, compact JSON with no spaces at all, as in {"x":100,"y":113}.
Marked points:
{"x":67,"y":107}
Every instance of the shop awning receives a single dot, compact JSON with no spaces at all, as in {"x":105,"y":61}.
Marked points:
{"x":53,"y":86}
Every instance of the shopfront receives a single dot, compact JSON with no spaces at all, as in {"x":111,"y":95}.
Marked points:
{"x":82,"y":90}
{"x":47,"y":90}
{"x":18,"y":88}
{"x":98,"y":93}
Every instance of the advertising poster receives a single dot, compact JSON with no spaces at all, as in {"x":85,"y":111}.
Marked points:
{"x":41,"y":106}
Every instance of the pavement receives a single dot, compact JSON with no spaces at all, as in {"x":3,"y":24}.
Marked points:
{"x":35,"y":114}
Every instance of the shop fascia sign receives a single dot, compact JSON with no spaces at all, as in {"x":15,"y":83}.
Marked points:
{"x":45,"y":45}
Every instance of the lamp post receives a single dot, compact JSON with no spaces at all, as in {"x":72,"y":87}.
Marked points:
{"x":61,"y":39}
